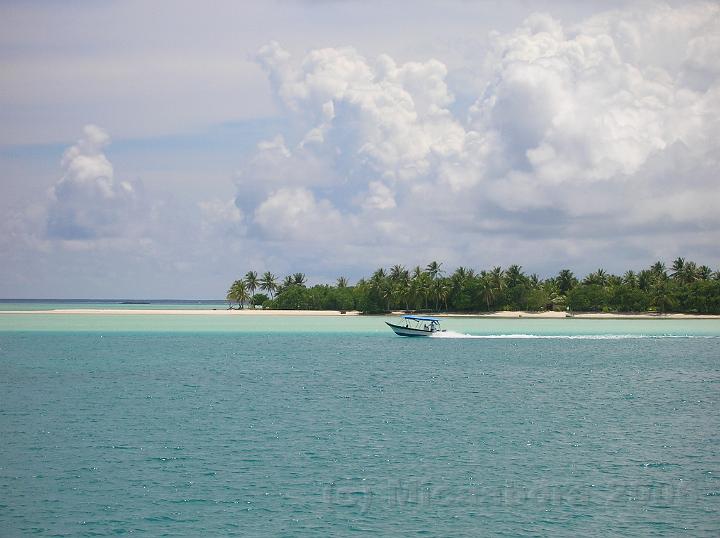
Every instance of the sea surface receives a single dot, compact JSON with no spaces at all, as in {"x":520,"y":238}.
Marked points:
{"x":285,"y":426}
{"x":112,"y":304}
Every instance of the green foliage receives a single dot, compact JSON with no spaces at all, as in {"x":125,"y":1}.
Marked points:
{"x":537,"y":299}
{"x":687,"y":288}
{"x":703,"y":296}
{"x":626,"y":298}
{"x":259,"y":299}
{"x":369,"y":297}
{"x":587,"y":298}
{"x":293,"y":297}
{"x":565,"y":281}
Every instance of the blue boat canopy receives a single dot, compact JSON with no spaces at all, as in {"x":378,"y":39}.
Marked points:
{"x":420,"y":318}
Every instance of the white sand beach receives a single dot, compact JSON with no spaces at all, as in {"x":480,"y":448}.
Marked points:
{"x":315,"y":313}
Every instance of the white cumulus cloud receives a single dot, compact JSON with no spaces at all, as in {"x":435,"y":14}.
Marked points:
{"x":295,"y":214}
{"x":87,"y":202}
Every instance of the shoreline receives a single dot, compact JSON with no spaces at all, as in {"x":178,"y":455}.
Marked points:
{"x":506,"y":314}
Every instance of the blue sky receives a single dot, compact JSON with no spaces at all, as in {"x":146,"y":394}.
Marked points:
{"x":163,"y":151}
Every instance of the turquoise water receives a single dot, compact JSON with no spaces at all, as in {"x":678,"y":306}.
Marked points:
{"x":250,"y":426}
{"x":352,"y":324}
{"x":116,"y":304}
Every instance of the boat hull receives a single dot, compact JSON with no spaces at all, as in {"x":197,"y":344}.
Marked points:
{"x":408,"y":331}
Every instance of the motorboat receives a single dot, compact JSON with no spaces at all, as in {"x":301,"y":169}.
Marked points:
{"x":416,"y":326}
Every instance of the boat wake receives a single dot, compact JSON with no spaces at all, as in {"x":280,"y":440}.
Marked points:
{"x":453,"y":334}
{"x":456,"y":335}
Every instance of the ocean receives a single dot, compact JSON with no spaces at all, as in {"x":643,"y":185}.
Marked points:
{"x":191,"y":425}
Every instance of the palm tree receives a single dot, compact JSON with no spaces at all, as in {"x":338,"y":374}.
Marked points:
{"x":251,"y":282}
{"x":381,"y":286}
{"x":460,"y":280}
{"x":286,"y":283}
{"x":230,"y":295}
{"x":434,"y":269}
{"x":514,"y":276}
{"x":645,"y":279}
{"x":704,"y":272}
{"x":658,"y":269}
{"x":497,"y":278}
{"x":386,"y":293}
{"x":420,"y":287}
{"x":396,"y":272}
{"x":565,"y":281}
{"x":378,"y":276}
{"x":299,"y":279}
{"x":486,"y":289}
{"x":414,"y":288}
{"x":460,"y":275}
{"x":399,"y":279}
{"x":662,"y":296}
{"x":599,"y":278}
{"x":342,"y":282}
{"x":238,"y":293}
{"x":440,"y":291}
{"x":398,"y":295}
{"x":677,"y":268}
{"x":689,"y":273}
{"x":630,"y":279}
{"x":268,"y":283}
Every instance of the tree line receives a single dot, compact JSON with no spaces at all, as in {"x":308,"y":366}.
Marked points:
{"x":684,"y":287}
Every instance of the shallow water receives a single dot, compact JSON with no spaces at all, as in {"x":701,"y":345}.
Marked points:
{"x":368,"y":325}
{"x":191,"y":425}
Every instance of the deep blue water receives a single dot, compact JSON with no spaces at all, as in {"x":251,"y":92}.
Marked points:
{"x":357,"y":434}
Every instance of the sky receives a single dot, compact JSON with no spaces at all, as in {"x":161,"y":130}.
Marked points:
{"x":163,"y":149}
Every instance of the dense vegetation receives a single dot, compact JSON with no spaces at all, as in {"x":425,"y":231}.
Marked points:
{"x":685,"y":287}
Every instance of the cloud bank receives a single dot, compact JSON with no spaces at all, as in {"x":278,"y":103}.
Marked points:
{"x":587,"y":140}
